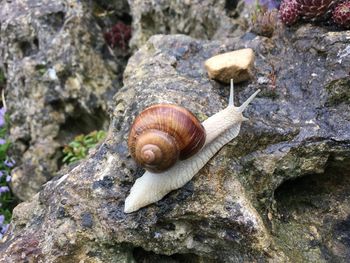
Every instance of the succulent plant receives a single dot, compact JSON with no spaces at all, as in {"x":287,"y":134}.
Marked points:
{"x":118,"y":36}
{"x":289,"y":11}
{"x":314,"y":9}
{"x":341,"y":14}
{"x":264,"y":22}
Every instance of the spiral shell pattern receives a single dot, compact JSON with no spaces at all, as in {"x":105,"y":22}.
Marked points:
{"x":164,"y":133}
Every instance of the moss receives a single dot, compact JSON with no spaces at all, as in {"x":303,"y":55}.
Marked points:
{"x":271,"y":93}
{"x":41,"y":69}
{"x":201,"y":116}
{"x":339,"y":91}
{"x":2,"y":78}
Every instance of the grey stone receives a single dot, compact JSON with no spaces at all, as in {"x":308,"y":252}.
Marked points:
{"x":202,"y":19}
{"x":61,"y":77}
{"x":279,"y":192}
{"x":236,"y":65}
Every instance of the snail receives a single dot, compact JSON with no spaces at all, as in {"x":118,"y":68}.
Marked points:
{"x":168,"y":169}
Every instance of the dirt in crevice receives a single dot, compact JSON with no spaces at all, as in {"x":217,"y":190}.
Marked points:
{"x":311,"y":222}
{"x":142,"y":256}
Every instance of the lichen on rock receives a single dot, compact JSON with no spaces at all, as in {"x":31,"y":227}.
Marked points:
{"x":203,"y":19}
{"x":60,"y":81}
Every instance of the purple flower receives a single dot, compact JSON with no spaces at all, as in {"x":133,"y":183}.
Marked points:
{"x":2,"y":116}
{"x":250,"y":2}
{"x":270,"y":4}
{"x":4,"y":189}
{"x":2,"y":141}
{"x":8,"y":178}
{"x":9,"y":163}
{"x":1,"y":173}
{"x":5,"y":228}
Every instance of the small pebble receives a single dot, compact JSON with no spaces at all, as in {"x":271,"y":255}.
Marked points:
{"x":236,"y":65}
{"x":52,"y":74}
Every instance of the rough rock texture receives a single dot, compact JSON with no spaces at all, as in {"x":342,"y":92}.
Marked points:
{"x":279,"y":192}
{"x":60,"y":78}
{"x":204,"y":19}
{"x":119,"y":8}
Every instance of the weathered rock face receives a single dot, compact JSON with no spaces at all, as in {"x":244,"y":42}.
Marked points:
{"x":204,"y":19}
{"x":243,"y":205}
{"x":60,"y":78}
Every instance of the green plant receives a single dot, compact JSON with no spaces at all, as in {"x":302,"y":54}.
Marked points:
{"x":80,"y":146}
{"x":7,"y":200}
{"x":2,"y":78}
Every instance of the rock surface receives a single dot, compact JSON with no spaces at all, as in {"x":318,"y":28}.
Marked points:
{"x":236,"y":65}
{"x":203,"y":19}
{"x":60,"y":78}
{"x":282,"y":184}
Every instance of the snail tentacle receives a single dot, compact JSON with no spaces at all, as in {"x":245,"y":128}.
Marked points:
{"x":231,"y":98}
{"x":249,"y":100}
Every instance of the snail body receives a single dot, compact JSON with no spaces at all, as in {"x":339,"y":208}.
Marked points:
{"x":220,"y":129}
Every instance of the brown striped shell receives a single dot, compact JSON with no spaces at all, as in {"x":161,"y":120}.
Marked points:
{"x":164,"y":133}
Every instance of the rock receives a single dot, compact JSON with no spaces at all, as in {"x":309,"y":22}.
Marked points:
{"x":120,"y":7}
{"x":59,"y":73}
{"x":253,"y":201}
{"x":236,"y":65}
{"x":203,"y":19}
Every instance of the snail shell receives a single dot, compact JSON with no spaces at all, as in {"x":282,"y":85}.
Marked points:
{"x":164,"y":133}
